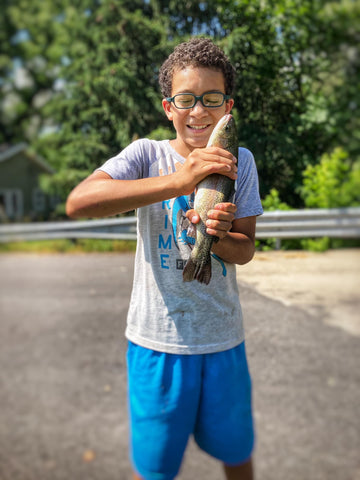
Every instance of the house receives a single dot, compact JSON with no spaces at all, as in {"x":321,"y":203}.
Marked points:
{"x":20,"y":195}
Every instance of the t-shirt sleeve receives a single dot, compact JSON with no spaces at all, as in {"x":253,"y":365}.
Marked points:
{"x":130,"y":164}
{"x":247,"y":197}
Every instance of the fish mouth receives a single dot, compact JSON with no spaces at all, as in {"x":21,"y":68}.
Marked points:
{"x":223,"y":120}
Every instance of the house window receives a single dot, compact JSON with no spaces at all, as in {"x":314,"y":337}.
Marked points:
{"x":39,"y":200}
{"x":11,"y":204}
{"x":54,"y":201}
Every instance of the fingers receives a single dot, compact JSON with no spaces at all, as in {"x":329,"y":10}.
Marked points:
{"x":220,"y":161}
{"x":202,"y":162}
{"x":225,"y":207}
{"x":220,"y":155}
{"x":193,"y":216}
{"x":214,"y":160}
{"x":219,"y":219}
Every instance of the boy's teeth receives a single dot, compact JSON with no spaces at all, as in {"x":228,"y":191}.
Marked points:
{"x":198,"y":127}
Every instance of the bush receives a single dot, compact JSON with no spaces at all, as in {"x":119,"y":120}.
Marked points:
{"x":272,"y":202}
{"x":334,"y":182}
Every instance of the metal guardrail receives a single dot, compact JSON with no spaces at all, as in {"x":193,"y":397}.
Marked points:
{"x":338,"y":222}
{"x":123,"y":228}
{"x":311,"y":223}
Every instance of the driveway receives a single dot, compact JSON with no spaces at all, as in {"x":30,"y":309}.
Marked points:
{"x":63,"y":382}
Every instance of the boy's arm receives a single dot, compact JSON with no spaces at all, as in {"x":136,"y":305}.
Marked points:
{"x":238,"y":245}
{"x":236,"y":237}
{"x":100,"y":196}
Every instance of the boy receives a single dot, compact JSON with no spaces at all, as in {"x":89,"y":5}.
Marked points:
{"x":187,"y":367}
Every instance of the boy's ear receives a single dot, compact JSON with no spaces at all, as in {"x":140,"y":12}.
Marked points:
{"x":229,"y":105}
{"x":167,"y":108}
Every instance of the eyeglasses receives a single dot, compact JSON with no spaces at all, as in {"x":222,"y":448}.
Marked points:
{"x":189,"y":100}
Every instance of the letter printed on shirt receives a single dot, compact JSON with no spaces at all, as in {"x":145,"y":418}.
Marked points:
{"x":164,"y":245}
{"x":163,"y":259}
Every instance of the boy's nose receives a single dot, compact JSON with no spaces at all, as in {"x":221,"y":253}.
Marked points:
{"x":198,"y":107}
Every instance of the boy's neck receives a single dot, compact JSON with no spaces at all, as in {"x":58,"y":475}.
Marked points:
{"x":180,"y":147}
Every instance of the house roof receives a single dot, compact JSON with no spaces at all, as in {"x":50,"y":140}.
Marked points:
{"x":8,"y":152}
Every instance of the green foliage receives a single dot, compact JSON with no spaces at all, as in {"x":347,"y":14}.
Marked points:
{"x":316,"y":244}
{"x":272,"y":202}
{"x":89,"y":80}
{"x":28,"y":67}
{"x":334,"y":182}
{"x":162,"y":133}
{"x":298,"y":83}
{"x":110,"y":96}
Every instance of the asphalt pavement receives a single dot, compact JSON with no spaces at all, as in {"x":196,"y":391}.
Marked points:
{"x":63,"y":380}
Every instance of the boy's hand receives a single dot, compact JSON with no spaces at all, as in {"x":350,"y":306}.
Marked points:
{"x":219,"y":220}
{"x":202,"y":162}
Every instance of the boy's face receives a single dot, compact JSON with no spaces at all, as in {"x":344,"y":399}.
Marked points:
{"x":194,"y":125}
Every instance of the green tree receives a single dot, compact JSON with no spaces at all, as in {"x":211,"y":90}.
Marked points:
{"x":28,"y":67}
{"x":91,"y":68}
{"x":110,"y":94}
{"x":298,"y":69}
{"x":190,"y":18}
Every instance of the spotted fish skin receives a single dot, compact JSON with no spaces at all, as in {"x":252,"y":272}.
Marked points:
{"x":212,"y":190}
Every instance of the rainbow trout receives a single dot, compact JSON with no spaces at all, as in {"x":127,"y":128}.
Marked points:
{"x":212,"y":190}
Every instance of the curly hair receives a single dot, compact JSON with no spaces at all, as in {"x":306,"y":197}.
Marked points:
{"x":197,"y":52}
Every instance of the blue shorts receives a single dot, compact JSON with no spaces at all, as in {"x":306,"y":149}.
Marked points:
{"x":173,"y":396}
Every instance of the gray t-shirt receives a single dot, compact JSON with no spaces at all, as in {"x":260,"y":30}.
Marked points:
{"x":165,"y":313}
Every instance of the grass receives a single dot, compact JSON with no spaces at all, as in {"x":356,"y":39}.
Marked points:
{"x":106,"y":246}
{"x":69,"y":246}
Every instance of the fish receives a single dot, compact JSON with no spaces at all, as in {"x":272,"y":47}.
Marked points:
{"x":213,"y":189}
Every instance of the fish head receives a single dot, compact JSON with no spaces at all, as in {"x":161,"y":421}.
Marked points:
{"x":224,"y":135}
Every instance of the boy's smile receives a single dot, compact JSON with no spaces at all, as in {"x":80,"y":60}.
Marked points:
{"x":194,"y":125}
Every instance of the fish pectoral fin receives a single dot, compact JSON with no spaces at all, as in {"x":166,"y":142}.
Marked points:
{"x":191,"y":230}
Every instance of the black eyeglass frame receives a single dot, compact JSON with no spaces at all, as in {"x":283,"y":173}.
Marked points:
{"x":197,"y":98}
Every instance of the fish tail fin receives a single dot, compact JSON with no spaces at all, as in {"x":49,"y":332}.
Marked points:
{"x":196,"y":270}
{"x":189,"y":271}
